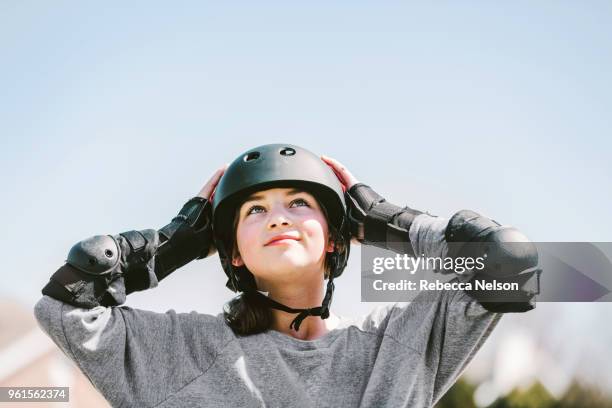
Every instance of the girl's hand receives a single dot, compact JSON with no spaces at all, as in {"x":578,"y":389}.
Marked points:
{"x":208,"y":191}
{"x":346,"y":177}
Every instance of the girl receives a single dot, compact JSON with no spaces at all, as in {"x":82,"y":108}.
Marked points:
{"x":281,"y":219}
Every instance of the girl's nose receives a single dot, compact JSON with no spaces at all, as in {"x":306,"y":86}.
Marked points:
{"x":278,"y":218}
{"x":274,"y":224}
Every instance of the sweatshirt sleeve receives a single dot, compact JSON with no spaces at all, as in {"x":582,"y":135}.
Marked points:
{"x":456,"y":337}
{"x":454,"y":325}
{"x":134,"y":357}
{"x":446,"y":328}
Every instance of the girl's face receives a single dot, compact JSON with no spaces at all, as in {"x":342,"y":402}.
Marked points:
{"x":294,"y":214}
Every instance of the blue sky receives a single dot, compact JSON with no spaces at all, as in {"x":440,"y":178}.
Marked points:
{"x":114,"y":115}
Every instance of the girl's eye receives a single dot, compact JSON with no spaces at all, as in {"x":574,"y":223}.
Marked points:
{"x":250,"y":210}
{"x":300,"y":200}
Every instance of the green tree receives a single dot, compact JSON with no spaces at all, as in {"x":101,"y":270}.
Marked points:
{"x":580,"y":395}
{"x":536,"y":396}
{"x":461,"y":394}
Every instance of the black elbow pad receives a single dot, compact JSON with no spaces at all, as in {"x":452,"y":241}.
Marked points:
{"x":97,"y":255}
{"x":102,"y":269}
{"x":509,"y":258}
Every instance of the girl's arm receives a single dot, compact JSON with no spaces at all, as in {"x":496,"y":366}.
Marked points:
{"x":134,"y":357}
{"x":506,"y":255}
{"x":103,"y":269}
{"x":509,"y":256}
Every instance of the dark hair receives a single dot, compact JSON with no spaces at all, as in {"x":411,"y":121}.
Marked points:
{"x":246,"y":313}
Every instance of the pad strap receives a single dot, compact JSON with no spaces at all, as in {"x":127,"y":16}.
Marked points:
{"x":377,"y":222}
{"x":189,"y":236}
{"x":499,"y":301}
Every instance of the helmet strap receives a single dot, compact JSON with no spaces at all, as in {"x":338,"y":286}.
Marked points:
{"x":322,"y":310}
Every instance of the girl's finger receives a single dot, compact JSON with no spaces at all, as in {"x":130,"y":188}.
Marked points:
{"x":218,"y":174}
{"x":341,"y":171}
{"x":336,"y":172}
{"x":208,"y":190}
{"x":332,"y":163}
{"x":337,"y":165}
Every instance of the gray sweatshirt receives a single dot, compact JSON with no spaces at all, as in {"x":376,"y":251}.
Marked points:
{"x":400,"y":355}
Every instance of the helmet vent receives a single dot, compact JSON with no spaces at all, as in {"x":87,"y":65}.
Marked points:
{"x":251,"y":156}
{"x":287,"y":151}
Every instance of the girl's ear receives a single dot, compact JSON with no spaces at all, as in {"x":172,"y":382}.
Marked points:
{"x":331,"y":247}
{"x":236,"y":258}
{"x":237,"y":261}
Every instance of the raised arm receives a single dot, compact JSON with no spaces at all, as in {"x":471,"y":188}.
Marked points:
{"x":103,"y":269}
{"x":510,"y":256}
{"x":135,"y":358}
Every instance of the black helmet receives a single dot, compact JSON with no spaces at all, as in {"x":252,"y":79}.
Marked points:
{"x":272,"y":166}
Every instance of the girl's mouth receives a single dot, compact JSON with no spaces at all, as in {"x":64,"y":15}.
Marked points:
{"x":281,"y":241}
